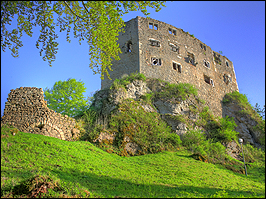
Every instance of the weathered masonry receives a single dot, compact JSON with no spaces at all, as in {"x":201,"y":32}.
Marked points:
{"x":160,"y":50}
{"x":27,"y":110}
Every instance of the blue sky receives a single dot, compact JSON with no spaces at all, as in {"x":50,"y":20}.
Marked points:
{"x":237,"y":28}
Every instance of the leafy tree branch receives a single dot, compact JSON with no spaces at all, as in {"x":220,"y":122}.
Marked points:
{"x":96,"y":22}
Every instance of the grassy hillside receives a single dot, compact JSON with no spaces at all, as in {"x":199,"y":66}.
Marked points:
{"x":34,"y":165}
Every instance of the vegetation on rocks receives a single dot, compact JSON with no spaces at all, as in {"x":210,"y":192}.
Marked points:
{"x":248,"y":111}
{"x":205,"y":138}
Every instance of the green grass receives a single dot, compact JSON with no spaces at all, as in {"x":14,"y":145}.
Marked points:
{"x":79,"y":169}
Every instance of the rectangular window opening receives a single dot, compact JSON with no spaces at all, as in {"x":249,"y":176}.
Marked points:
{"x":177,"y":67}
{"x":154,"y":43}
{"x":170,"y":31}
{"x":155,"y":26}
{"x":174,"y":66}
{"x":151,"y":25}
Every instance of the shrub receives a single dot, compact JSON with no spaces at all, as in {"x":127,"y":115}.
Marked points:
{"x":182,"y":90}
{"x":236,"y":96}
{"x":224,"y":131}
{"x":146,"y":129}
{"x":253,"y":154}
{"x":121,"y":83}
{"x":193,"y":138}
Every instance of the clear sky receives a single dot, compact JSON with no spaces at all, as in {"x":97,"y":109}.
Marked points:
{"x":237,"y":28}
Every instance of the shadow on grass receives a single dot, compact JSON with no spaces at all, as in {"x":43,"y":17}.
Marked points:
{"x":106,"y":186}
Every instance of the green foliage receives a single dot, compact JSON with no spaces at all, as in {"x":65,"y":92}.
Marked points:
{"x":260,"y":111}
{"x":205,"y":116}
{"x":92,"y":129}
{"x":193,"y":138}
{"x":253,"y":154}
{"x":123,"y":82}
{"x":255,"y":113}
{"x":196,"y":141}
{"x":148,"y":130}
{"x":182,"y":90}
{"x":223,"y":130}
{"x":236,"y":96}
{"x":66,"y":97}
{"x":96,"y":22}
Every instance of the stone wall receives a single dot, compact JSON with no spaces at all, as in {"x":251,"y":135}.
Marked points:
{"x":27,"y":110}
{"x":211,"y":73}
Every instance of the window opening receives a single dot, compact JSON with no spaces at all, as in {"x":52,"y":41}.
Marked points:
{"x":129,"y":46}
{"x":203,"y":47}
{"x":156,"y":61}
{"x":206,"y":64}
{"x":174,"y":32}
{"x":177,"y":67}
{"x":227,"y":79}
{"x":174,"y":48}
{"x":174,"y":66}
{"x":227,"y":64}
{"x":154,"y":43}
{"x":153,"y":26}
{"x":208,"y":80}
{"x":190,"y":58}
{"x":217,"y":58}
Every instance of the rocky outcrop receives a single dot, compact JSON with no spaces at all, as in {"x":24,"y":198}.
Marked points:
{"x":27,"y":110}
{"x":108,"y":100}
{"x":245,"y":124}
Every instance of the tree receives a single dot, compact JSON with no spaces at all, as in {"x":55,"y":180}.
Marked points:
{"x":97,"y":22}
{"x":260,"y":111}
{"x":66,"y":97}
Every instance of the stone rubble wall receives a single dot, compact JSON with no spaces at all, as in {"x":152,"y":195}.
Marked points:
{"x":27,"y":110}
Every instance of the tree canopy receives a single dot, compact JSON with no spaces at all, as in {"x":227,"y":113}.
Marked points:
{"x":96,"y":22}
{"x":66,"y":97}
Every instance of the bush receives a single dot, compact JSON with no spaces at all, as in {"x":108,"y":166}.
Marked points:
{"x":146,"y":129}
{"x":236,"y":96}
{"x":182,"y":90}
{"x":193,"y":138}
{"x":224,"y":131}
{"x":121,"y":83}
{"x":253,"y":154}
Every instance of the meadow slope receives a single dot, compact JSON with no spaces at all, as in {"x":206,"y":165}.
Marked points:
{"x":79,"y":169}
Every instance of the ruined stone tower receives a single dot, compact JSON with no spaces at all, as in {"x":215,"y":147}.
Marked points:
{"x":160,"y":50}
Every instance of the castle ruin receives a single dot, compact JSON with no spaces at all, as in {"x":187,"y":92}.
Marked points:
{"x":160,"y":50}
{"x":27,"y":110}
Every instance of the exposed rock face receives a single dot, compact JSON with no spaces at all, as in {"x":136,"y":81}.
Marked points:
{"x":107,"y":100}
{"x":27,"y":110}
{"x":105,"y":136}
{"x":244,"y":124}
{"x":233,"y":150}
